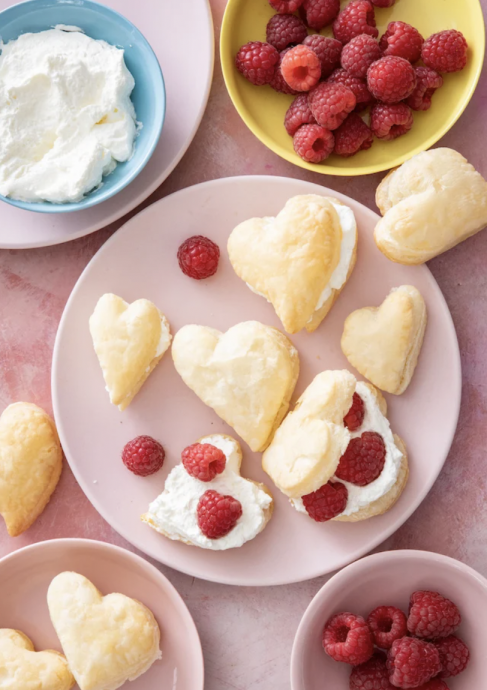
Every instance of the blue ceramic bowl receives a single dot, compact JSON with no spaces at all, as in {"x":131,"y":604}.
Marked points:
{"x":148,"y":96}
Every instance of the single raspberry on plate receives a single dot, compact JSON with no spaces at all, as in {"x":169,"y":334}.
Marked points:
{"x":364,"y":459}
{"x":284,"y":29}
{"x":347,"y":638}
{"x":352,"y":136}
{"x":431,"y":615}
{"x":313,"y":143}
{"x":387,"y":624}
{"x":198,"y":257}
{"x":412,"y":662}
{"x":427,"y":82}
{"x":356,"y":18}
{"x":298,"y":114}
{"x":372,"y":675}
{"x":359,"y":54}
{"x":327,"y":49}
{"x":143,"y":455}
{"x":329,"y":501}
{"x":402,"y":40}
{"x":301,"y":68}
{"x":203,"y":461}
{"x":320,"y":13}
{"x":445,"y":51}
{"x":331,"y":103}
{"x":391,"y":79}
{"x":383,"y":3}
{"x":390,"y":121}
{"x":278,"y":82}
{"x":217,"y":515}
{"x":454,"y":656}
{"x":257,"y":61}
{"x":357,"y":86}
{"x":285,"y":6}
{"x":355,"y":416}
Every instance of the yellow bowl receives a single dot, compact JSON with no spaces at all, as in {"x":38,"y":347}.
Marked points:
{"x":263,"y":110}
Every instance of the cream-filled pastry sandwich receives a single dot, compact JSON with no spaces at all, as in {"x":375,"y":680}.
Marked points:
{"x":206,"y":502}
{"x":129,"y":340}
{"x":300,"y":260}
{"x":431,"y":203}
{"x":247,"y":375}
{"x":335,"y":455}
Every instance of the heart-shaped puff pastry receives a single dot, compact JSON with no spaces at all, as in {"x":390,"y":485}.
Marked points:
{"x":107,"y":640}
{"x":430,"y":204}
{"x":30,"y":464}
{"x":247,"y":375}
{"x":383,"y":343}
{"x":21,"y":668}
{"x":129,"y":340}
{"x":300,"y":260}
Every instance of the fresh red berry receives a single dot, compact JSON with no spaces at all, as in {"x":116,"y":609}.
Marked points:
{"x":402,"y":40}
{"x":285,"y":6}
{"x":355,"y":416}
{"x":445,"y":51}
{"x":203,"y":461}
{"x":257,"y":61}
{"x":372,"y":675}
{"x":198,"y":257}
{"x":298,"y":114}
{"x":327,"y":502}
{"x":284,"y":29}
{"x":301,"y":68}
{"x":143,"y":456}
{"x":391,"y":79}
{"x":390,"y":121}
{"x":364,"y":459}
{"x":347,"y":638}
{"x":427,"y":82}
{"x":412,"y":662}
{"x":435,"y":684}
{"x":359,"y":54}
{"x":278,"y":82}
{"x":356,"y":18}
{"x":217,"y":514}
{"x":352,"y":136}
{"x":454,"y":656}
{"x":327,"y":49}
{"x":357,"y":86}
{"x":431,"y":615}
{"x":320,"y":13}
{"x":387,"y":624}
{"x":313,"y":143}
{"x":383,"y":3}
{"x":331,"y":103}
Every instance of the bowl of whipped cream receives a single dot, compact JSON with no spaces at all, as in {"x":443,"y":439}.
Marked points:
{"x":82,"y":104}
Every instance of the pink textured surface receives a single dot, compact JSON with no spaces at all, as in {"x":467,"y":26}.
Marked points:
{"x":247,"y":634}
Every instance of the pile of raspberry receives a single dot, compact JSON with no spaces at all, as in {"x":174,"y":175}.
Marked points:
{"x":335,"y":79}
{"x":390,"y":650}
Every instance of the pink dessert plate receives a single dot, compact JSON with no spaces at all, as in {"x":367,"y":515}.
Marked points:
{"x":140,"y":261}
{"x":26,"y":574}
{"x":389,"y":579}
{"x":188,"y":69}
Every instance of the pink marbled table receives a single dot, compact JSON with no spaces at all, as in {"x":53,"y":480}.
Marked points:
{"x":247,"y":634}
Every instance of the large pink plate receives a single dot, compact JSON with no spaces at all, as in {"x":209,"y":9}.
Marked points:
{"x":140,"y":261}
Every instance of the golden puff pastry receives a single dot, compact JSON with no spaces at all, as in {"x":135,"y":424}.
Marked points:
{"x":22,"y":668}
{"x":383,"y":343}
{"x":430,"y":204}
{"x":129,"y":340}
{"x":31,"y":461}
{"x":247,"y":375}
{"x":108,"y":639}
{"x":300,"y":260}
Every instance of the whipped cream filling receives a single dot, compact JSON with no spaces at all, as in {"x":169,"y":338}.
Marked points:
{"x":164,"y":340}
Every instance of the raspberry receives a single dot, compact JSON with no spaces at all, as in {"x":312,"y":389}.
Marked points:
{"x":352,"y":136}
{"x":431,"y":615}
{"x":387,"y":624}
{"x":383,"y":3}
{"x":454,"y":656}
{"x":357,"y":86}
{"x":301,"y":68}
{"x":372,"y":675}
{"x":402,"y":40}
{"x":327,"y":49}
{"x":346,"y":638}
{"x":445,"y":51}
{"x":277,"y":82}
{"x":203,"y":461}
{"x":143,"y":456}
{"x":283,"y":29}
{"x":356,"y":18}
{"x":327,"y":502}
{"x":298,"y":114}
{"x":355,"y":416}
{"x":320,"y":13}
{"x":313,"y":143}
{"x":359,"y":54}
{"x":198,"y":257}
{"x":331,"y":103}
{"x":364,"y":459}
{"x":427,"y":81}
{"x":391,"y":79}
{"x":412,"y":662}
{"x":435,"y":684}
{"x":217,"y":515}
{"x":390,"y":121}
{"x":257,"y":62}
{"x":285,"y":6}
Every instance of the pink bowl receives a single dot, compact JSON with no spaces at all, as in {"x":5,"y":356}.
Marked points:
{"x":389,"y":578}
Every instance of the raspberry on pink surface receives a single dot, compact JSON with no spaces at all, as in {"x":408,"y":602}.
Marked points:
{"x":352,"y":136}
{"x":454,"y":656}
{"x":387,"y":624}
{"x":402,"y":40}
{"x":143,"y":456}
{"x":217,"y":515}
{"x":285,"y":6}
{"x":364,"y":459}
{"x":327,"y":49}
{"x":391,"y":79}
{"x":301,"y":68}
{"x":327,"y":502}
{"x":347,"y":638}
{"x":356,"y":18}
{"x":298,"y":114}
{"x":278,"y":82}
{"x":198,"y":257}
{"x":331,"y":103}
{"x":284,"y":29}
{"x":445,"y":51}
{"x":203,"y":461}
{"x":372,"y":675}
{"x":257,"y":61}
{"x":355,"y":416}
{"x":431,"y":615}
{"x":357,"y":86}
{"x":359,"y":54}
{"x":412,"y":662}
{"x":427,"y":82}
{"x":389,"y":122}
{"x":320,"y":13}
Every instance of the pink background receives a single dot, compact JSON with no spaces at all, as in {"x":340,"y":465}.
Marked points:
{"x":247,"y":634}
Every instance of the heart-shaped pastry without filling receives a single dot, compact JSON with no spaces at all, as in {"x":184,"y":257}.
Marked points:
{"x":108,"y":639}
{"x":300,"y":260}
{"x":31,"y":461}
{"x":383,"y":343}
{"x":247,"y":375}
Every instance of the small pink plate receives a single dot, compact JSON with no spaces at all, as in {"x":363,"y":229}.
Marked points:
{"x":26,"y":574}
{"x":389,"y":579}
